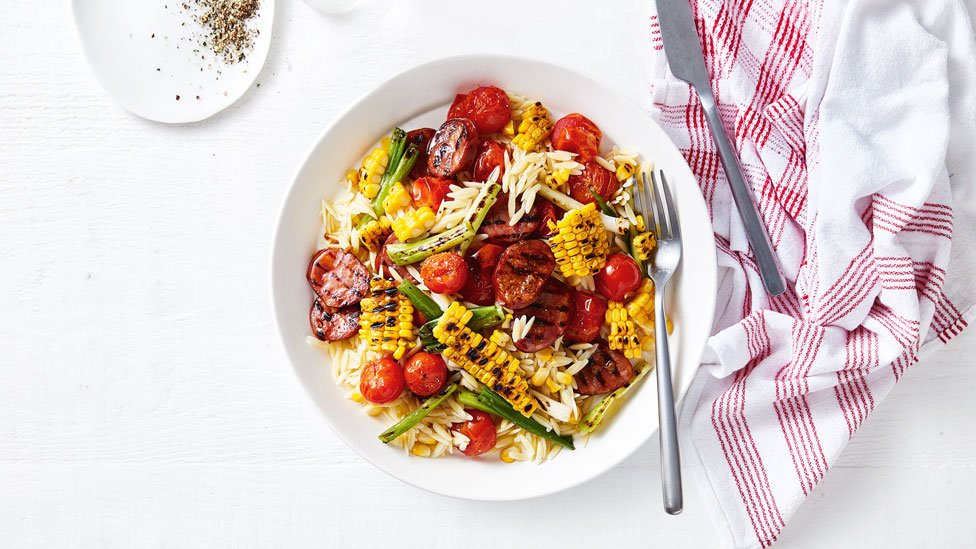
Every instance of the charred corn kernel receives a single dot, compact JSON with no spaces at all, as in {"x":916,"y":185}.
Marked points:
{"x":375,"y":233}
{"x":625,"y":170}
{"x":385,"y":144}
{"x":644,"y":244}
{"x":509,"y":454}
{"x":397,"y":200}
{"x":580,"y":244}
{"x":563,"y":378}
{"x":641,"y":306}
{"x":372,"y":170}
{"x":540,"y":376}
{"x":426,"y":439}
{"x":420,"y":450}
{"x":557,"y":178}
{"x":640,"y":224}
{"x":534,"y":128}
{"x":386,"y":319}
{"x":372,"y":410}
{"x":356,"y":396}
{"x":483,"y":359}
{"x":413,"y":224}
{"x":623,"y":333}
{"x":552,"y":386}
{"x":352,"y":177}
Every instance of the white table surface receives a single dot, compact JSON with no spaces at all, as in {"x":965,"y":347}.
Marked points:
{"x":144,"y":397}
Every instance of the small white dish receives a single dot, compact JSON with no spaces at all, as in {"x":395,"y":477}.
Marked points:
{"x":420,"y":97}
{"x":149,"y":57}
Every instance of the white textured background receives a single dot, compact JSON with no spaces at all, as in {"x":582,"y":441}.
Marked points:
{"x":144,"y":398}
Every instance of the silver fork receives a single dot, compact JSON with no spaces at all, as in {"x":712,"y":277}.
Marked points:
{"x":663,"y":262}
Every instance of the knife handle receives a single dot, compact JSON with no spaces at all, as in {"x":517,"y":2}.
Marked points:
{"x":745,"y":202}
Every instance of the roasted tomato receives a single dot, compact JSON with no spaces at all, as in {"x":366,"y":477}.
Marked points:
{"x":381,"y":381}
{"x":421,"y":138}
{"x":425,"y":374}
{"x":588,"y":312}
{"x":576,"y":133}
{"x":618,"y":277}
{"x":430,"y":191}
{"x":601,"y":180}
{"x":549,"y":212}
{"x":480,"y":430}
{"x":444,"y":273}
{"x":480,"y":287}
{"x":488,"y":107}
{"x":491,"y":155}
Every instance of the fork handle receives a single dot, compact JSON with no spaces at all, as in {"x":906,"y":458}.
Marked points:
{"x":670,"y":460}
{"x":745,"y":202}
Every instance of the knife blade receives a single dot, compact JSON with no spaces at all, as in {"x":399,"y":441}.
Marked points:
{"x":685,"y":58}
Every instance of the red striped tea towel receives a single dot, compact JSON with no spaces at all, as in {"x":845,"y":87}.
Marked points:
{"x":854,"y":122}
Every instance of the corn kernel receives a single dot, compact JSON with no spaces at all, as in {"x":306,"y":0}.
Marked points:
{"x":397,"y":200}
{"x":356,"y":396}
{"x":625,"y":170}
{"x":564,"y":378}
{"x":352,"y":177}
{"x":420,"y":450}
{"x":385,"y":144}
{"x":372,"y":410}
{"x":509,"y":454}
{"x":426,"y":439}
{"x":552,"y":386}
{"x":540,"y":376}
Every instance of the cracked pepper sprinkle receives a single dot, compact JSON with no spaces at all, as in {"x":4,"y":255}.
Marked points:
{"x":225,"y":22}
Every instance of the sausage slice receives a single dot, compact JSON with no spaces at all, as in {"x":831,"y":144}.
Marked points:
{"x":552,"y":311}
{"x":522,"y":270}
{"x":329,"y":324}
{"x":607,"y":370}
{"x":453,"y":148}
{"x":338,"y":277}
{"x":384,"y":263}
{"x":498,"y":229}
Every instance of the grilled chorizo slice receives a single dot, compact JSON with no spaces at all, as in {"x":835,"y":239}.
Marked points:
{"x":522,"y":270}
{"x":552,"y":310}
{"x":496,"y":224}
{"x":607,"y":370}
{"x":329,"y":324}
{"x":452,"y":149}
{"x":338,"y":277}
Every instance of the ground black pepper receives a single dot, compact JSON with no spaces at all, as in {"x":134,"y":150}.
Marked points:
{"x":226,"y":24}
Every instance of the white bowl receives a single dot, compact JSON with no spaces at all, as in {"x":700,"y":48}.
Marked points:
{"x":420,"y":97}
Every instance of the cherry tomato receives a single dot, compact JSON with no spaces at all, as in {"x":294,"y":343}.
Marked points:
{"x":547,"y":211}
{"x":444,"y":273}
{"x":588,"y":312}
{"x":480,"y":430}
{"x":488,"y":107}
{"x":490,"y":155}
{"x":421,"y":138}
{"x":480,"y":287}
{"x":576,"y":133}
{"x":430,"y":191}
{"x":381,"y":381}
{"x":618,"y":277}
{"x":595,"y":177}
{"x":425,"y":373}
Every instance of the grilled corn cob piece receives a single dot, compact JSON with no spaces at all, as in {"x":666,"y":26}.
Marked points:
{"x":372,"y":170}
{"x":641,"y":306}
{"x":386,"y":319}
{"x":397,"y":200}
{"x":557,"y":178}
{"x":375,"y":233}
{"x":534,"y":128}
{"x":644,"y":244}
{"x":623,"y":333}
{"x":413,"y":224}
{"x":483,"y":359}
{"x":580,"y":244}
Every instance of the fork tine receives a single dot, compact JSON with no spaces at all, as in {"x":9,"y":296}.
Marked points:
{"x":650,"y":214}
{"x":672,"y":211}
{"x":665,"y":232}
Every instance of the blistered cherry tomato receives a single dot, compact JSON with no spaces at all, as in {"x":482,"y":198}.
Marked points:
{"x":576,"y":133}
{"x":480,"y":287}
{"x":618,"y":277}
{"x":488,"y":107}
{"x":588,"y":313}
{"x":548,"y":212}
{"x":425,"y":373}
{"x":430,"y":191}
{"x":480,"y":430}
{"x":490,"y":155}
{"x":381,"y":381}
{"x":444,"y":273}
{"x":601,"y":180}
{"x":421,"y":138}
